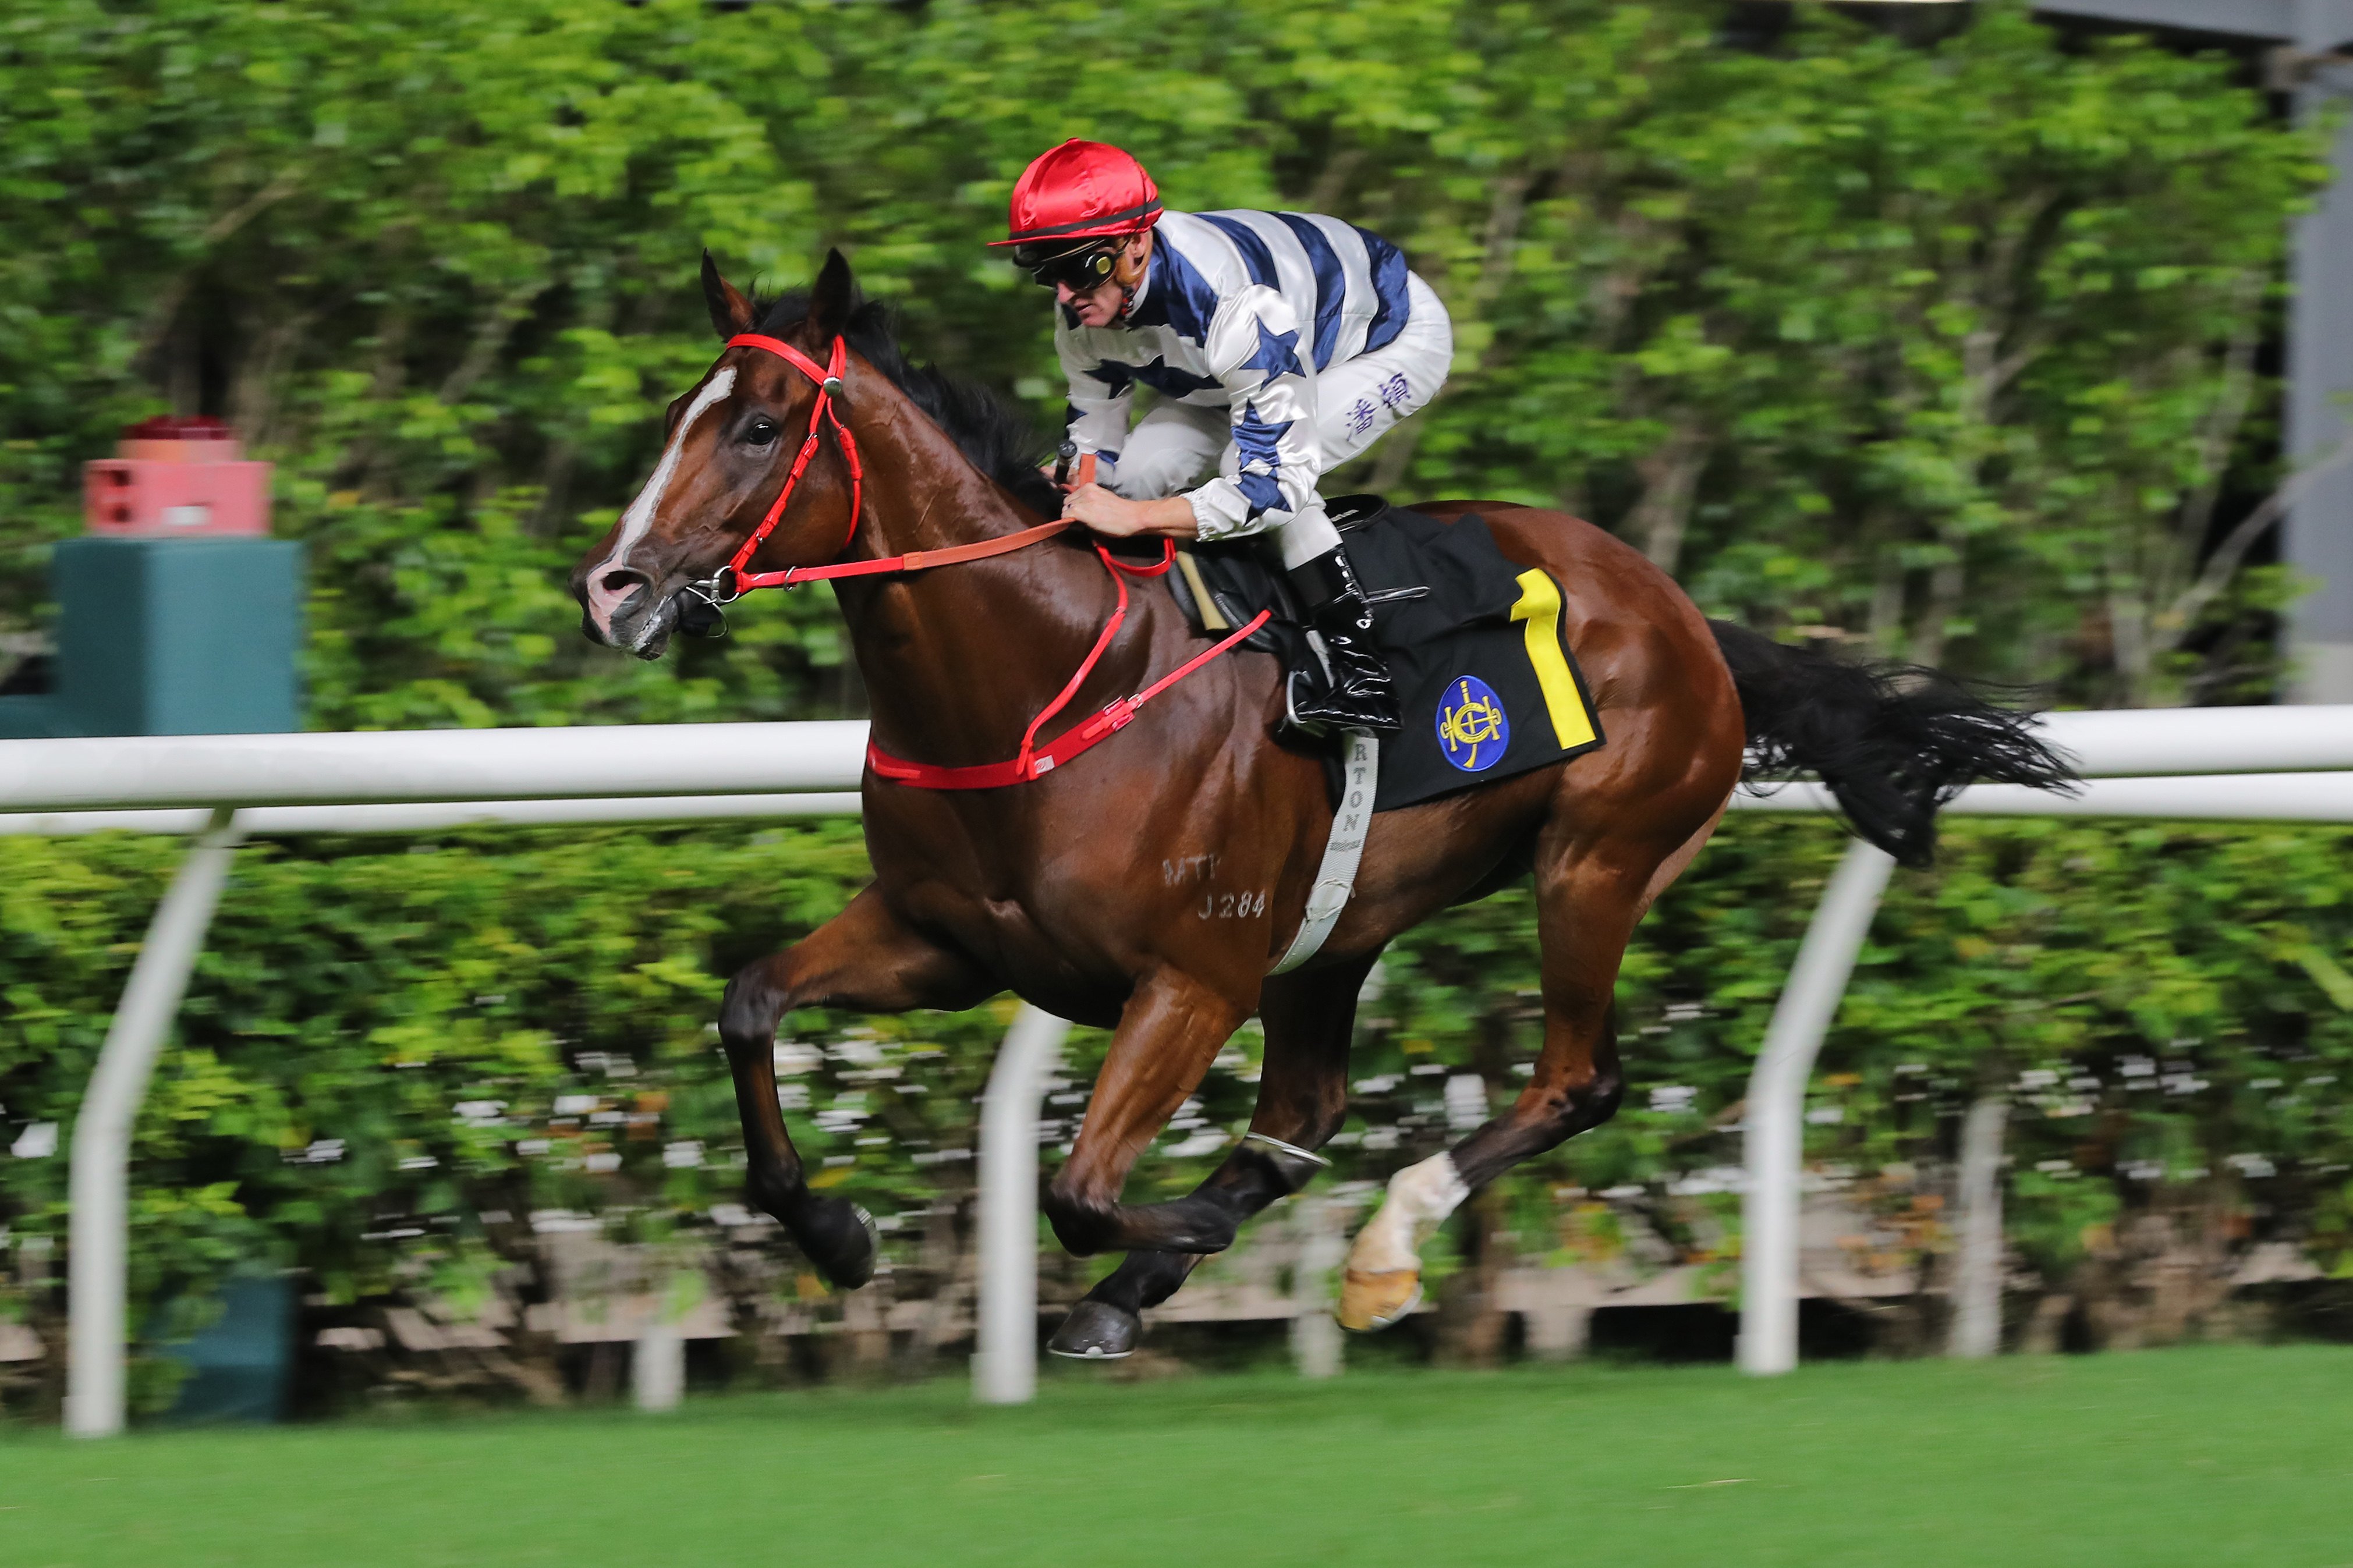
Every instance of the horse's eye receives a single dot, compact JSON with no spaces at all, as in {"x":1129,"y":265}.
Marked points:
{"x":760,"y":432}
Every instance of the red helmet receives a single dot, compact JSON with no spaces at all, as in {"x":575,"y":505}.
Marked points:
{"x":1080,"y":190}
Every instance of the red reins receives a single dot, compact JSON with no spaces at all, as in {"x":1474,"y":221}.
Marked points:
{"x":1032,"y":761}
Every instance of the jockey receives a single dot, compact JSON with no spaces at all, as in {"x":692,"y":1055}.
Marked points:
{"x":1280,"y":344}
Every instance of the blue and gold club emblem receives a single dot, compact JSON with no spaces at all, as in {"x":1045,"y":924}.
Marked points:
{"x":1473,"y":729}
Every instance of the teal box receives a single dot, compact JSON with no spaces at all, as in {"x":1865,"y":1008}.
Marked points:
{"x":177,"y":636}
{"x":239,"y":1369}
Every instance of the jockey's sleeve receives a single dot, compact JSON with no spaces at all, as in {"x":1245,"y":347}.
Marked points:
{"x":1101,"y":395}
{"x":1253,"y":348}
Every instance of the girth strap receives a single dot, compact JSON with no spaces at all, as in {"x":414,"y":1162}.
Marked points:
{"x":1343,"y":851}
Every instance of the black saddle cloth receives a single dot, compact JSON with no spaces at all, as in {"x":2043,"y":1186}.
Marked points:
{"x":1487,"y":683}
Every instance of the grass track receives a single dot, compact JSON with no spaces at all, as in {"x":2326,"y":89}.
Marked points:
{"x":2210,"y":1458}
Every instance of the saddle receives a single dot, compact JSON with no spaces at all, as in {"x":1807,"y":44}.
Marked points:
{"x":1487,"y":683}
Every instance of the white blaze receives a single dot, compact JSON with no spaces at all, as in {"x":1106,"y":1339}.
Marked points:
{"x":602,"y":601}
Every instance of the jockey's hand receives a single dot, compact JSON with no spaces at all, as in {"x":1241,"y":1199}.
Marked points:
{"x":1114,"y":517}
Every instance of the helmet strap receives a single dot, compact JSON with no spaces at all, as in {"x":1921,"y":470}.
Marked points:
{"x":1127,"y":287}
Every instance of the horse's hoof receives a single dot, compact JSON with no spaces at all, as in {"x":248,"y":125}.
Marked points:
{"x":838,"y":1237}
{"x":1373,"y":1301}
{"x":1097,"y":1331}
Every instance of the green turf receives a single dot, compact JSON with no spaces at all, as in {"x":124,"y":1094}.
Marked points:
{"x":2210,"y":1458}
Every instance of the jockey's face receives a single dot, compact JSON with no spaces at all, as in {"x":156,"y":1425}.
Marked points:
{"x":1099,"y":305}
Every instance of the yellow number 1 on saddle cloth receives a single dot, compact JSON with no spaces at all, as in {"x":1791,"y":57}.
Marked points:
{"x":1539,"y":609}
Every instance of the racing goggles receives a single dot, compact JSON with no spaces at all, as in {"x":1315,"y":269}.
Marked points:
{"x":1087,"y":269}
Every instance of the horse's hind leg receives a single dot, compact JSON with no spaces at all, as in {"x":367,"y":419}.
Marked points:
{"x":1586,"y":906}
{"x":1303,"y":1097}
{"x":863,"y":959}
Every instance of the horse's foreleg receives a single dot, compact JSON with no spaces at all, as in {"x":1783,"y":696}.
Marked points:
{"x":1586,"y":913}
{"x":1172,"y":1026}
{"x":1303,"y":1097}
{"x":863,"y":959}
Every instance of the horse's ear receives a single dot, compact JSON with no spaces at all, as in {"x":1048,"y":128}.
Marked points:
{"x":730,"y":312}
{"x":833,"y":297}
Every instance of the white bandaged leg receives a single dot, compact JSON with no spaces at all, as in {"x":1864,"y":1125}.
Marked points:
{"x":1420,"y":1198}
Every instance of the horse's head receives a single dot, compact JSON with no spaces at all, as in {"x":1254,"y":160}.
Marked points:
{"x":730,"y":441}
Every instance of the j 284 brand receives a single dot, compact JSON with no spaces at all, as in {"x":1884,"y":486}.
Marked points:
{"x":1232,"y":906}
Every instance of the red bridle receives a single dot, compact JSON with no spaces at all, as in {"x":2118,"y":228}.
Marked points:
{"x":822,"y":414}
{"x":739,"y":581}
{"x":1033,"y":760}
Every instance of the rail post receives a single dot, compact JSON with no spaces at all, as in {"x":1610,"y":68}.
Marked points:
{"x":1005,"y":1360}
{"x":1321,"y":1225}
{"x":1977,"y":1261}
{"x":1777,"y":1108}
{"x":657,"y":1365}
{"x":101,"y":1135}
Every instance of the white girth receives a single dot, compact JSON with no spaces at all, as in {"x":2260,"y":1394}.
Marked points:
{"x":1336,"y":879}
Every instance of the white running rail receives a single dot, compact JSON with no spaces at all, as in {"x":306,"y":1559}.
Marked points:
{"x":2259,"y":764}
{"x":225,"y":788}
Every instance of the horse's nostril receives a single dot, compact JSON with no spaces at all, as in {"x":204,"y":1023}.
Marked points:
{"x":620,"y":582}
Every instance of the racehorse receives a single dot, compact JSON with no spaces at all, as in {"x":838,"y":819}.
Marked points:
{"x":1149,"y":886}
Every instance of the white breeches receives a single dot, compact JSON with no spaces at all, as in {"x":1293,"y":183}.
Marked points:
{"x":1178,"y":445}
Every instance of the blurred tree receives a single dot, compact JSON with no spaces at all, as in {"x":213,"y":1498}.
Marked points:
{"x":1948,"y":351}
{"x":398,"y":1064}
{"x":1847,"y":334}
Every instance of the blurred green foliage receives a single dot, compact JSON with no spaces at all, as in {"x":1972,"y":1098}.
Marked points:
{"x":1948,"y":349}
{"x":392,"y":1056}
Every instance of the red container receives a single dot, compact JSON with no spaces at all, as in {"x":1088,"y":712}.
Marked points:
{"x":176,"y":478}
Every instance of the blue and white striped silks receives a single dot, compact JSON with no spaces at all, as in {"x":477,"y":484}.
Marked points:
{"x":1242,"y":312}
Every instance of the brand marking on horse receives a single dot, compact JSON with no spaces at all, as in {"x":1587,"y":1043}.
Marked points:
{"x":640,"y":515}
{"x":1187,"y":869}
{"x":1232,"y":906}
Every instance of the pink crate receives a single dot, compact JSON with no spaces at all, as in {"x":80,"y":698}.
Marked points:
{"x":149,"y":497}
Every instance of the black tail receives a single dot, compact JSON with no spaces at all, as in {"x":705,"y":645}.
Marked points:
{"x":1894,"y":742}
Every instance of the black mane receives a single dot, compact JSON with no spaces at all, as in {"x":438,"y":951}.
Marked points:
{"x":998,"y":438}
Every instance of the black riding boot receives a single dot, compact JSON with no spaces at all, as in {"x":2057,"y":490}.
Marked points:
{"x":1359,"y":696}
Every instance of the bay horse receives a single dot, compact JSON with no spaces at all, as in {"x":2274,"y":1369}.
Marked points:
{"x":1149,"y":886}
